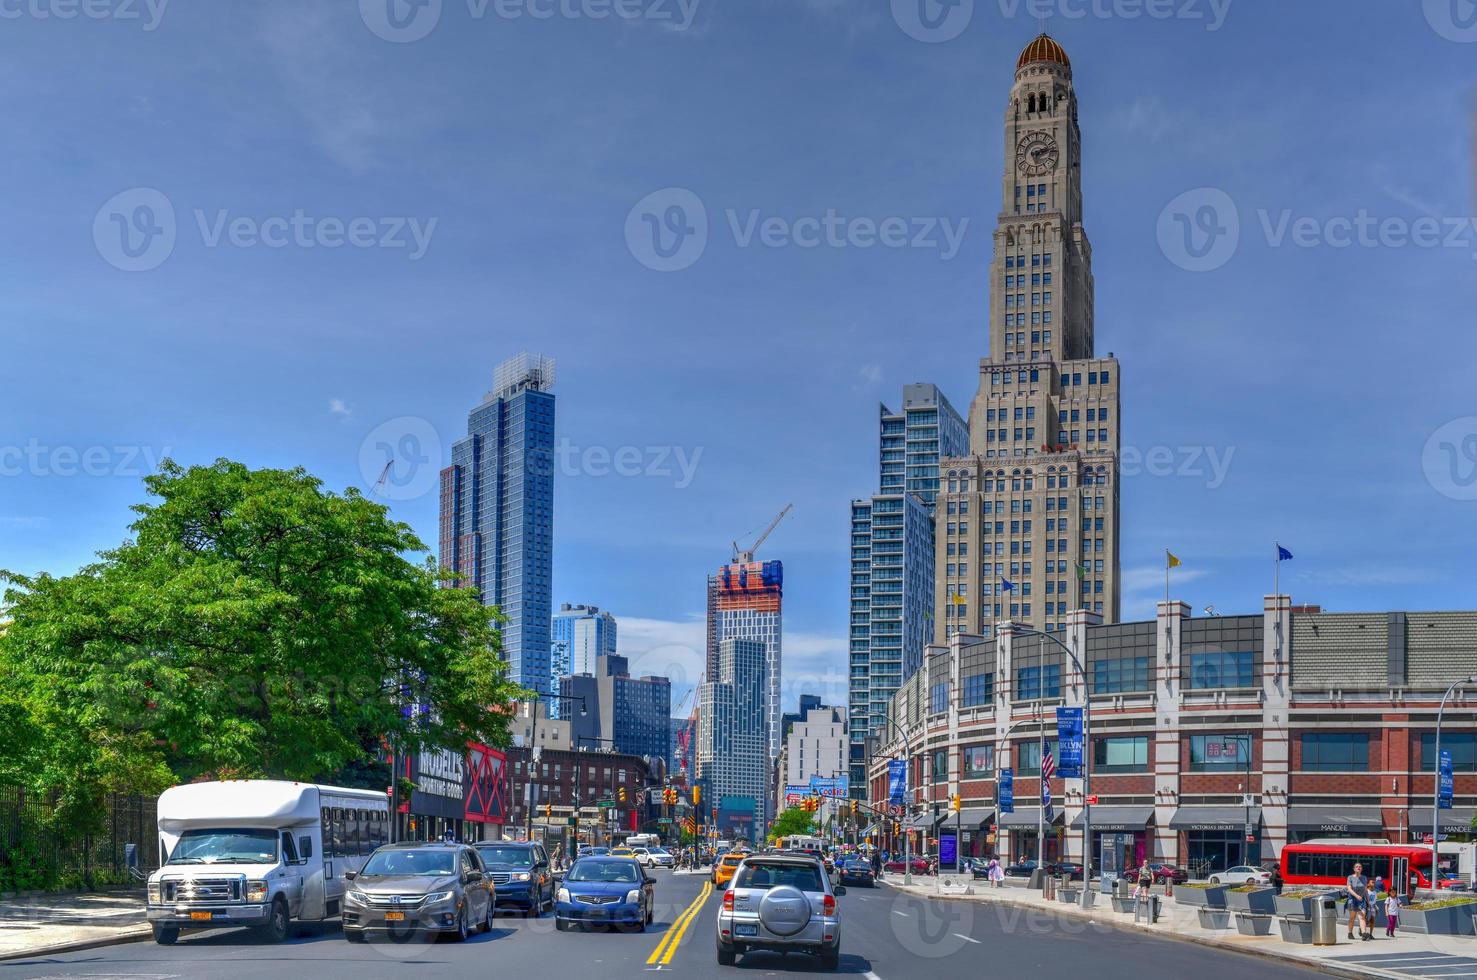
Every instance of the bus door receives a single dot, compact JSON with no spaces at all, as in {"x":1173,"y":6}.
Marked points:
{"x":1400,"y":871}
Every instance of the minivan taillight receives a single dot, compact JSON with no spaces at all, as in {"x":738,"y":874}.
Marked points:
{"x":728,"y":900}
{"x":828,"y":905}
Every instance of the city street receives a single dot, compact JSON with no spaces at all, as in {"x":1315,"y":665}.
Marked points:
{"x":885,"y":935}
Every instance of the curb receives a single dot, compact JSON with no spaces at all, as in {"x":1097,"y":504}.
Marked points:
{"x":132,"y":936}
{"x":1075,"y":911}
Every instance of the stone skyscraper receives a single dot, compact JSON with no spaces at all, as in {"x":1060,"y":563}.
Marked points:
{"x":1035,"y":503}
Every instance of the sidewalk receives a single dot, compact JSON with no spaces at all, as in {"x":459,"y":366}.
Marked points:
{"x":1405,"y":957}
{"x":58,"y":923}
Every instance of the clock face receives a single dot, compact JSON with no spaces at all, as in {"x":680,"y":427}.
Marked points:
{"x":1036,"y":154}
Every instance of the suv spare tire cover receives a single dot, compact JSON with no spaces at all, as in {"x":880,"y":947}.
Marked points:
{"x":785,"y":910}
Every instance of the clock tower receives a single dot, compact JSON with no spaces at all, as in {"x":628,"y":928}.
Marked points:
{"x":1027,"y":523}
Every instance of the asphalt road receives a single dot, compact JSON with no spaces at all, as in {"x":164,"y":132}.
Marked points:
{"x":885,"y":936}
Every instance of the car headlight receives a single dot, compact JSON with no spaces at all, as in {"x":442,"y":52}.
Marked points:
{"x":633,"y":897}
{"x":357,"y":897}
{"x":562,"y":896}
{"x":522,"y":876}
{"x":256,"y":891}
{"x":154,"y":893}
{"x":445,"y":896}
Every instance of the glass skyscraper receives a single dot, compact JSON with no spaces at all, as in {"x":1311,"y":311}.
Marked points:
{"x":497,"y":511}
{"x":581,"y":635}
{"x":892,"y":559}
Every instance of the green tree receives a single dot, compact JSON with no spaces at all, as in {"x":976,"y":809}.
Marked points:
{"x":254,"y":625}
{"x":791,"y":822}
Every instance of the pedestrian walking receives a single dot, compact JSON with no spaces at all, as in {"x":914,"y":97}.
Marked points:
{"x":1275,"y":878}
{"x":1392,"y":914}
{"x":1356,"y":887}
{"x":1145,"y":882}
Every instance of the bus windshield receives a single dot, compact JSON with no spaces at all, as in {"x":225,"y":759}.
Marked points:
{"x":225,"y":847}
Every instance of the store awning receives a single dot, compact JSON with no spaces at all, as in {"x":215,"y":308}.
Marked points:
{"x":1457,"y":820}
{"x":971,"y":818}
{"x":1214,"y":818}
{"x":1025,"y":817}
{"x":870,"y":831}
{"x":1334,"y":818}
{"x":1118,"y":818}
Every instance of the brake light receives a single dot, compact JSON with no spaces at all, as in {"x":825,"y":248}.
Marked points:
{"x":728,"y":900}
{"x":828,"y":905}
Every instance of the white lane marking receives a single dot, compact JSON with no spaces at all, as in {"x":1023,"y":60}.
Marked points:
{"x":968,"y":939}
{"x":871,"y":976}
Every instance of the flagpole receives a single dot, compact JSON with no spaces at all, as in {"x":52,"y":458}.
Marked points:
{"x":1167,"y":566}
{"x":1276,"y":567}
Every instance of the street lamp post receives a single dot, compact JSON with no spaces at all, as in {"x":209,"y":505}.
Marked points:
{"x":907,"y":835}
{"x":1436,"y":786}
{"x":534,"y":751}
{"x":1018,"y":630}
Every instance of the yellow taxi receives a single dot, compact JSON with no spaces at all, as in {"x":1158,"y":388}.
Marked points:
{"x":726,"y":866}
{"x":622,"y":852}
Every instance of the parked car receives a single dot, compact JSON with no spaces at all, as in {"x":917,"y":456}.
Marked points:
{"x":522,"y":875}
{"x":418,"y":886}
{"x":1021,"y":869}
{"x":1165,"y":872}
{"x":1070,"y":870}
{"x":780,"y":903}
{"x":896,"y":866}
{"x":1242,"y":874}
{"x":855,"y":870}
{"x":605,"y":890}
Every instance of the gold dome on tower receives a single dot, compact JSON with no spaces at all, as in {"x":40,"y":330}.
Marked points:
{"x":1043,"y":48}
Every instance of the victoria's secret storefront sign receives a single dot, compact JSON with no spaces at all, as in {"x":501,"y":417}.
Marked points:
{"x":458,"y":787}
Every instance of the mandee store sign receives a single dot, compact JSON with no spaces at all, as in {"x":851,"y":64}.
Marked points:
{"x":459,"y":787}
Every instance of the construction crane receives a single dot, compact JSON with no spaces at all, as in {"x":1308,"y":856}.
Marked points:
{"x":743,"y":556}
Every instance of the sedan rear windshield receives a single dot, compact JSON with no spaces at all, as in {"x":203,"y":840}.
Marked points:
{"x":409,"y":862}
{"x":760,"y":875}
{"x":518,"y":857}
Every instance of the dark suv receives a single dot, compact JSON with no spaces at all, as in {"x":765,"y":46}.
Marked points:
{"x":414,"y":887}
{"x":522,"y":874}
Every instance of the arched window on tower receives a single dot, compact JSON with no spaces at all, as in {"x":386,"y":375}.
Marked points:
{"x":1031,"y":102}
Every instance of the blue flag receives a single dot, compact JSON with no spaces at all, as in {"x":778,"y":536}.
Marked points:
{"x":1005,"y":585}
{"x":1283,"y":554}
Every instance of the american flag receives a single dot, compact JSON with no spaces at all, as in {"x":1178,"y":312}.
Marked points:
{"x":1048,"y":764}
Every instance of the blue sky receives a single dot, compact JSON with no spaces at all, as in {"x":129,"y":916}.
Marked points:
{"x":1331,"y":381}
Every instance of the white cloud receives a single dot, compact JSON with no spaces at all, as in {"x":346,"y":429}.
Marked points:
{"x":870,"y":373}
{"x":336,"y":406}
{"x":25,"y":523}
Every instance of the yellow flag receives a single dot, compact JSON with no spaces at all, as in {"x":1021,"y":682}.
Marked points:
{"x":1173,"y":561}
{"x":959,"y":600}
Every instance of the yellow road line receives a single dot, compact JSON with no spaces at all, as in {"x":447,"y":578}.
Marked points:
{"x":667,"y":945}
{"x":672,"y":948}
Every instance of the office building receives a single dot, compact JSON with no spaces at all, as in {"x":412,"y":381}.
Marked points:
{"x":745,"y":603}
{"x":497,"y":511}
{"x":816,"y":746}
{"x":629,"y":714}
{"x":733,"y":756}
{"x":581,"y":634}
{"x":1027,"y":527}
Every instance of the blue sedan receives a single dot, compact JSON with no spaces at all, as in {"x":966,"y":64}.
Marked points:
{"x":605,"y":891}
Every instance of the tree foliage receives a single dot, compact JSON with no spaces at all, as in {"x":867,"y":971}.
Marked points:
{"x":793,"y":821}
{"x":254,"y":625}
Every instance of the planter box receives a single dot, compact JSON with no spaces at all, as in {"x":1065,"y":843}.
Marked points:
{"x":1253,"y":924}
{"x":1214,"y":898}
{"x":1454,"y":920}
{"x":1302,"y":907}
{"x":1211,"y":918}
{"x":1262,"y":901}
{"x":1067,"y":895}
{"x":1296,"y":929}
{"x":1121,"y":904}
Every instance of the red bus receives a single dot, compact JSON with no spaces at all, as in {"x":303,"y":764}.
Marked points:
{"x":1331,"y":861}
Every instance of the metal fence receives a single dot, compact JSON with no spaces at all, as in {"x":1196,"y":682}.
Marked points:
{"x":34,"y":855}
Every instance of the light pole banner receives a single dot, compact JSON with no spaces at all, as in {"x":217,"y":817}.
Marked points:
{"x":1446,"y":782}
{"x":1007,"y":790}
{"x":897,"y":781}
{"x":1069,"y":742}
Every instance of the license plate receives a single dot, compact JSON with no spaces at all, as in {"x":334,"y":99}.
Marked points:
{"x":394,"y":916}
{"x":743,"y":930}
{"x":201,"y":916}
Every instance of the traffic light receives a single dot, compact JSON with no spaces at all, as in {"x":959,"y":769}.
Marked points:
{"x":669,"y":796}
{"x":956,"y":803}
{"x":697,"y":795}
{"x":623,"y":794}
{"x":856,"y":808}
{"x":548,"y":811}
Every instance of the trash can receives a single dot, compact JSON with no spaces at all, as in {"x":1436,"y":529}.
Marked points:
{"x":1048,"y":888}
{"x":1123,"y":888}
{"x":1326,"y":921}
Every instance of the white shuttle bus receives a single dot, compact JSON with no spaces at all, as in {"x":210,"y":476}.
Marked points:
{"x":259,"y":853}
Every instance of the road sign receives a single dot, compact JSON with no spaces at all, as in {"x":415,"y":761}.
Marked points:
{"x":573,"y":821}
{"x":605,"y":804}
{"x":1092,"y":800}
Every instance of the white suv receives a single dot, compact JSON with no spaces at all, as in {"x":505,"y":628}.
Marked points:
{"x":781,"y":903}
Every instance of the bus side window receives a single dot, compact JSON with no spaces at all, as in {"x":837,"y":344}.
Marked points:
{"x":361,"y":832}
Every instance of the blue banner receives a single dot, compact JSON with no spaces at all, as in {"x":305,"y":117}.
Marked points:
{"x":1046,"y":799}
{"x":1069,"y":743}
{"x":1007,"y":790}
{"x":897,"y":781}
{"x":947,"y":850}
{"x":1446,"y":783}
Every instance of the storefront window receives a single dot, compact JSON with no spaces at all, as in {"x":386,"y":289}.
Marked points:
{"x":1461,"y":745}
{"x":1125,"y":754}
{"x":1219,"y":753}
{"x":1028,"y":755}
{"x":1335,"y":751}
{"x":979,"y":760}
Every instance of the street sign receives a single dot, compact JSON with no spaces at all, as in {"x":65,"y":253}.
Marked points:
{"x":605,"y":804}
{"x":1092,"y":800}
{"x":573,"y":821}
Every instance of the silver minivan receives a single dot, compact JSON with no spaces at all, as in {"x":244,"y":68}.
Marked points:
{"x":780,"y":903}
